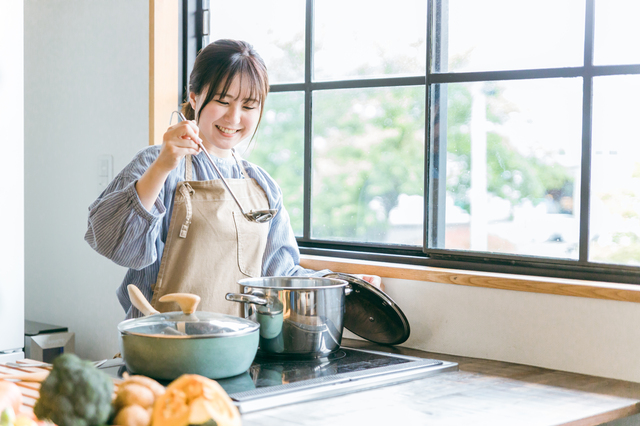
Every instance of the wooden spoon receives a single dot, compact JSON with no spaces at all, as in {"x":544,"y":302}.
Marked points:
{"x":140,"y":302}
{"x":188,"y":302}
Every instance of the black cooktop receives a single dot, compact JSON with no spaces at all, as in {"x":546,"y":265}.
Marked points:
{"x":272,"y":382}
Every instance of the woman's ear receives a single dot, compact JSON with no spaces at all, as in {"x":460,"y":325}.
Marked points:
{"x":192,"y":100}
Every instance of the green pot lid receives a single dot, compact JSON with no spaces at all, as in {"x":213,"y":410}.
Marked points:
{"x":371,"y":314}
{"x":199,"y":324}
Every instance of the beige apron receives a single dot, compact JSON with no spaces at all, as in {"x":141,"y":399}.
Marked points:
{"x":210,"y":244}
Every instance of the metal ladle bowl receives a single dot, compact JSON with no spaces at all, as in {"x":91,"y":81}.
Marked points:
{"x":259,"y":216}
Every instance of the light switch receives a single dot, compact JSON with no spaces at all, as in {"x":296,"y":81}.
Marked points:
{"x":105,"y":171}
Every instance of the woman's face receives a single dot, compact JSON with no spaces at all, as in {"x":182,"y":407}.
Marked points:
{"x":225,"y":122}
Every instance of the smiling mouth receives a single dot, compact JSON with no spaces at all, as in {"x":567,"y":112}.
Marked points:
{"x":226,"y":130}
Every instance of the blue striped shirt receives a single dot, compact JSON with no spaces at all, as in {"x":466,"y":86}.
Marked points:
{"x":121,"y":229}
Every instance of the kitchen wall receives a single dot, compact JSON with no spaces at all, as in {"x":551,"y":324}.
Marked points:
{"x":12,"y":177}
{"x":86,"y":96}
{"x":590,"y":336}
{"x":86,"y":83}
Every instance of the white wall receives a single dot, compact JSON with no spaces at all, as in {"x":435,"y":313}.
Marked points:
{"x":86,"y":95}
{"x":11,"y":176}
{"x":86,"y":78}
{"x":589,"y":336}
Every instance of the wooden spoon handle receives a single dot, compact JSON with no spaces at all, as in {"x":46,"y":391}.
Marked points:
{"x":188,"y":302}
{"x":139,"y":301}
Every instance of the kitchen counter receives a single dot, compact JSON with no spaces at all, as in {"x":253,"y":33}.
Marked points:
{"x":481,"y":392}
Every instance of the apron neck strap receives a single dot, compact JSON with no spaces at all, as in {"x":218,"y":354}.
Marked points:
{"x":188,"y":166}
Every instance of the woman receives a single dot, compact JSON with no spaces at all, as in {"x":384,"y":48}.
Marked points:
{"x":169,"y":218}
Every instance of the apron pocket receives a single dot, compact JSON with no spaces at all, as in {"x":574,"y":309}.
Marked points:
{"x":251,"y":238}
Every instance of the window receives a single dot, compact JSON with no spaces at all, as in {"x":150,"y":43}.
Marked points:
{"x":490,"y":135}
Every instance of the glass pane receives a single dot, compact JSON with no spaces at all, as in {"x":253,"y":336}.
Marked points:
{"x":616,"y":32}
{"x":279,"y":39}
{"x":513,"y":151}
{"x":354,"y":39}
{"x":615,"y":171}
{"x":505,"y":34}
{"x":368,"y":162}
{"x":279,"y":148}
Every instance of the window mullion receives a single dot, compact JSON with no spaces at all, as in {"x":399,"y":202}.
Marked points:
{"x":436,"y":134}
{"x":426,"y":215}
{"x":587,"y":111}
{"x":308,"y":64}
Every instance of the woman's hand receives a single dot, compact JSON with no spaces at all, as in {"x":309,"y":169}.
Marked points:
{"x":371,"y":279}
{"x":179,"y":140}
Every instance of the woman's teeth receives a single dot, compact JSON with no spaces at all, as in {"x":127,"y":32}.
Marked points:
{"x":227,"y":131}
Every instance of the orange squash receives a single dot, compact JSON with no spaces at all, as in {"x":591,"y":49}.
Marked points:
{"x":192,"y":399}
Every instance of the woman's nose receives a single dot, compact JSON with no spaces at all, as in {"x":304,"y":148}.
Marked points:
{"x":233,"y":115}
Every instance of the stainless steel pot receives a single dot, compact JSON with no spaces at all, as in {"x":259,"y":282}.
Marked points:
{"x":167,"y":345}
{"x":299,"y":317}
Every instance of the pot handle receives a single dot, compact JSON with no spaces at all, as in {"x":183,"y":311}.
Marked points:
{"x":188,"y":302}
{"x":246,"y":298}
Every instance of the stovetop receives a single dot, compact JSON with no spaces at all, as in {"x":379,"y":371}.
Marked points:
{"x":271,"y":382}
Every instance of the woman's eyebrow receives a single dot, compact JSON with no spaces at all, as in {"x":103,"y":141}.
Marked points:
{"x":245,"y":100}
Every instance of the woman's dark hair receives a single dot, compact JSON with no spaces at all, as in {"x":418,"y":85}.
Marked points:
{"x":218,"y":64}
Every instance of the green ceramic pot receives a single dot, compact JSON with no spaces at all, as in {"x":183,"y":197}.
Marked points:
{"x":166,"y":345}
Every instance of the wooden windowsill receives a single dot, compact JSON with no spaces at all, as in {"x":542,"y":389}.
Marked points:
{"x":558,"y":286}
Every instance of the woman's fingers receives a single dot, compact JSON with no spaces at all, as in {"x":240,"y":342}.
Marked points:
{"x":185,"y":130}
{"x":179,"y":140}
{"x":193,"y":125}
{"x":372,"y":279}
{"x":184,"y":135}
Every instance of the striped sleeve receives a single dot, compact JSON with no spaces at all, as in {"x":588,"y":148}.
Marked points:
{"x":119,"y":227}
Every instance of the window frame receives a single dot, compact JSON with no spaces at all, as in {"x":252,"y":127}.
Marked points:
{"x":195,"y":16}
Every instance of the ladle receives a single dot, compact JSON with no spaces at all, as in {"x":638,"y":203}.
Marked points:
{"x":259,"y":216}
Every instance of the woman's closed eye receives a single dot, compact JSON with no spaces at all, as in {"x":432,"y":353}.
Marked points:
{"x":250,"y":104}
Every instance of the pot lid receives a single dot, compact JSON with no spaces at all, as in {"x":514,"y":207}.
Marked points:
{"x":199,"y":324}
{"x":371,"y":314}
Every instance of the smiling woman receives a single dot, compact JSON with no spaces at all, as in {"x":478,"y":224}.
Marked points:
{"x":167,"y":215}
{"x":227,"y":89}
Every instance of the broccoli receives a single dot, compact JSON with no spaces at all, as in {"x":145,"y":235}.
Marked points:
{"x":75,"y":393}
